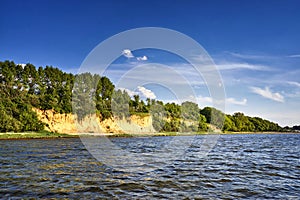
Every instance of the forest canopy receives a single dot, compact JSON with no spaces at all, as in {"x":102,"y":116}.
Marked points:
{"x":25,"y":87}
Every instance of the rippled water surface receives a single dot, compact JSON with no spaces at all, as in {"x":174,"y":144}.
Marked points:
{"x":239,"y":166}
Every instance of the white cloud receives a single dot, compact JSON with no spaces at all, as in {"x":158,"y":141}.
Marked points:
{"x":129,"y":92}
{"x":208,"y":101}
{"x":260,"y":57}
{"x":141,"y":91}
{"x":22,"y":65}
{"x":226,"y":62}
{"x":232,"y":66}
{"x":146,"y":92}
{"x":236,"y":102}
{"x":248,"y":56}
{"x":267,"y":93}
{"x":204,"y":100}
{"x":294,"y":83}
{"x":202,"y":58}
{"x":143,"y":58}
{"x":127,"y":53}
{"x":294,"y":56}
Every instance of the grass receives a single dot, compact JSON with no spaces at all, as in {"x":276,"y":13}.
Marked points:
{"x":33,"y":135}
{"x":49,"y":135}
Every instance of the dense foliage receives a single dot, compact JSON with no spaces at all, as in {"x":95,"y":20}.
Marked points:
{"x":239,"y":122}
{"x":25,"y":87}
{"x":295,"y":128}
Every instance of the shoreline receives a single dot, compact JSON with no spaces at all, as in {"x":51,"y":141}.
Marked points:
{"x":34,"y":135}
{"x":50,"y":135}
{"x":266,"y":132}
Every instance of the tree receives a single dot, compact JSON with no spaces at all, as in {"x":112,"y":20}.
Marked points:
{"x":158,"y":114}
{"x":242,"y":122}
{"x":25,"y":87}
{"x":173,"y":110}
{"x":83,"y":101}
{"x":104,"y":96}
{"x":229,"y":124}
{"x":202,"y":126}
{"x":190,"y":111}
{"x":213,"y":116}
{"x":120,"y":104}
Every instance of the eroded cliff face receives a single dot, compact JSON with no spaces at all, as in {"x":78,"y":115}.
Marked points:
{"x":68,"y":123}
{"x":61,"y":123}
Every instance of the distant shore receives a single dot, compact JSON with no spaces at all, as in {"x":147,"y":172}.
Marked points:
{"x":266,"y":132}
{"x":50,"y":135}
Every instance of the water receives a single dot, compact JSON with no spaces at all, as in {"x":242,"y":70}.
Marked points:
{"x":238,"y":167}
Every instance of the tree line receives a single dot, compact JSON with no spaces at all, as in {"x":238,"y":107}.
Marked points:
{"x":25,"y":87}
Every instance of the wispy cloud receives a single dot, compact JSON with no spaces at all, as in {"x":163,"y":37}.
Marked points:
{"x":235,"y":66}
{"x":294,"y":83}
{"x":208,"y":100}
{"x":294,"y":56}
{"x":204,"y":100}
{"x":242,"y":102}
{"x":225,"y":62}
{"x":250,"y":56}
{"x":267,"y":93}
{"x":261,"y":56}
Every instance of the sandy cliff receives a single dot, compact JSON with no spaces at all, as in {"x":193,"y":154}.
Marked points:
{"x":68,"y":123}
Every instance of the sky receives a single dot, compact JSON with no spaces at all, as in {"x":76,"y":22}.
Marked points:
{"x":254,"y":44}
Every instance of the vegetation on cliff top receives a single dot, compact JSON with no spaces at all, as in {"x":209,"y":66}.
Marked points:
{"x":25,"y":87}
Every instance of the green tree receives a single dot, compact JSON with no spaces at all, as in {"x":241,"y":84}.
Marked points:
{"x":213,"y":116}
{"x":202,"y":126}
{"x":229,"y":124}
{"x":190,"y":111}
{"x":242,"y":122}
{"x":120,"y":104}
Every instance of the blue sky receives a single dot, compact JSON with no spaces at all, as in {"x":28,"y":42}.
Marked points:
{"x":255,"y":44}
